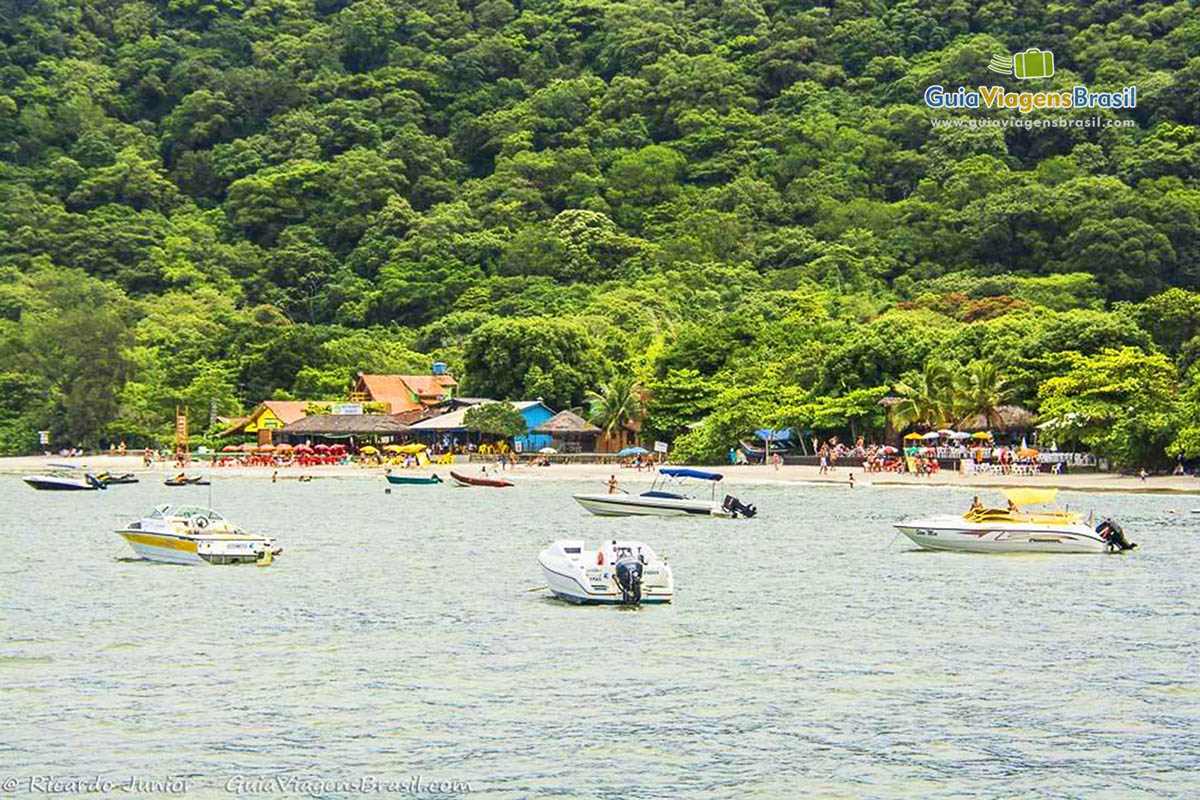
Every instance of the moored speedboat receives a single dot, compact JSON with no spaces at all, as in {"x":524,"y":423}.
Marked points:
{"x":469,"y":480}
{"x":618,"y":573}
{"x":65,"y":482}
{"x":662,"y":503}
{"x":187,"y":534}
{"x":1014,"y":530}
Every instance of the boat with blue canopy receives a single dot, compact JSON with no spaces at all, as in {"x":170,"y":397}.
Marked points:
{"x":671,"y":495}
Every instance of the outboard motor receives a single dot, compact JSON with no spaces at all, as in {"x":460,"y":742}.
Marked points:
{"x":628,"y":572}
{"x":737,"y":507}
{"x":94,"y":481}
{"x":1114,"y":534}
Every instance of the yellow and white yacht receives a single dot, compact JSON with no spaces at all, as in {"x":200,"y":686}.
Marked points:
{"x":1015,"y":530}
{"x":188,"y":534}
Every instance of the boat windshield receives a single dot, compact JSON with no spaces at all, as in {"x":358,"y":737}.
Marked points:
{"x":184,"y":512}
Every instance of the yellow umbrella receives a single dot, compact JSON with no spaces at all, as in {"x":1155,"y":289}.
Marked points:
{"x":394,"y":448}
{"x":368,"y":450}
{"x":981,"y":435}
{"x":913,"y":436}
{"x":412,"y":448}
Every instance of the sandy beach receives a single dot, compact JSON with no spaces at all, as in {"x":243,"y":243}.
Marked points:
{"x":734,"y":476}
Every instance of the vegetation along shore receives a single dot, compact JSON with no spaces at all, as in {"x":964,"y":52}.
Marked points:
{"x":738,"y":215}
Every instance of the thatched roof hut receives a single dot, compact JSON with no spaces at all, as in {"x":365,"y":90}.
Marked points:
{"x":343,"y":425}
{"x":567,"y":423}
{"x":569,"y":432}
{"x":1005,"y":419}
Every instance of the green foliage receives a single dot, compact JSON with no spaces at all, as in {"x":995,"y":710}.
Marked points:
{"x":495,"y":419}
{"x":1121,"y":402}
{"x":211,"y":202}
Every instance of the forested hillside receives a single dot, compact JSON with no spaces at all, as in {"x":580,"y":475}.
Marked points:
{"x":741,"y":205}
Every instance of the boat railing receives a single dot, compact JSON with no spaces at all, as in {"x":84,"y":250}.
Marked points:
{"x":1009,"y":515}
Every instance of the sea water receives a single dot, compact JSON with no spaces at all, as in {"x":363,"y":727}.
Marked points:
{"x":403,"y":637}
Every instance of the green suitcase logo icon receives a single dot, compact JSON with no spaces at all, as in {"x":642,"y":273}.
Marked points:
{"x":1033,"y":63}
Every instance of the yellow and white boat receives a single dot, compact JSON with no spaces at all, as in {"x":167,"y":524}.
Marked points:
{"x":1015,"y":530}
{"x":189,"y":534}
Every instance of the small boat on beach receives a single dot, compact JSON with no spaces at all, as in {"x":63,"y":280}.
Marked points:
{"x":413,"y":479}
{"x":184,"y":480}
{"x":188,"y":534}
{"x":1015,"y":530}
{"x":618,"y":573}
{"x":468,"y":480}
{"x":659,"y":502}
{"x":66,"y":482}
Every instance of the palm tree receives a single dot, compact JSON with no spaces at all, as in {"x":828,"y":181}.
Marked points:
{"x":927,"y":399}
{"x":984,"y":391}
{"x":617,"y":404}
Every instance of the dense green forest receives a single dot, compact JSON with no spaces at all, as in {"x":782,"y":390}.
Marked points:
{"x":741,"y":206}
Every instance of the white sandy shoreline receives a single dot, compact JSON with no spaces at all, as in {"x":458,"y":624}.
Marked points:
{"x":734,"y":476}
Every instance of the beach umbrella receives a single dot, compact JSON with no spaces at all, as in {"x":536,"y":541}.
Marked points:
{"x":393,"y":448}
{"x":959,"y":435}
{"x":303,"y":448}
{"x":248,"y":447}
{"x":633,"y":451}
{"x":548,"y":450}
{"x":946,"y":433}
{"x":283,"y":446}
{"x":932,"y":435}
{"x":888,"y":450}
{"x":322,"y":448}
{"x":230,"y":448}
{"x":368,"y":450}
{"x":264,"y":448}
{"x":1028,"y":452}
{"x":914,"y":436}
{"x":981,"y":435}
{"x":338,"y":448}
{"x":415,"y":447}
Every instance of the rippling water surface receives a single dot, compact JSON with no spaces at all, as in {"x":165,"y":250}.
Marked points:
{"x":809,"y":651}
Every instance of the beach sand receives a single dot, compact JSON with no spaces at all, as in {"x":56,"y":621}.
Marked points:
{"x":734,"y":476}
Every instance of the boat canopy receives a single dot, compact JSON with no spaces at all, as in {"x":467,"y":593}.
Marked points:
{"x":683,"y":472}
{"x":1025,"y":496}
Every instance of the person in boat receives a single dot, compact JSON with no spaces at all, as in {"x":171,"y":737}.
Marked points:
{"x":1013,"y":508}
{"x":612,"y":485}
{"x":976,"y":505}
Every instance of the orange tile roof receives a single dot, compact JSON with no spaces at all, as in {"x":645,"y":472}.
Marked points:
{"x":287,"y":411}
{"x":397,"y":390}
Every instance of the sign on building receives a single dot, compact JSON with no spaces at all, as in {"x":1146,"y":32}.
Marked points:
{"x":660,"y":447}
{"x":346,"y":409}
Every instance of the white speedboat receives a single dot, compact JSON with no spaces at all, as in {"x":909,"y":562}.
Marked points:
{"x":618,"y":573}
{"x":1014,"y":530}
{"x":187,"y":534}
{"x":660,"y":502}
{"x":65,"y":482}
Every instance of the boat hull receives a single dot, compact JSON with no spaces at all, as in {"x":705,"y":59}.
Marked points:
{"x":51,"y":484}
{"x":632,"y":505}
{"x":596,"y":586}
{"x":403,"y":480}
{"x":195,"y":551}
{"x":954,"y":534}
{"x":464,"y":480}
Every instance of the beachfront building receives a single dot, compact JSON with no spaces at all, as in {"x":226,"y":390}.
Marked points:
{"x":267,"y":417}
{"x":450,"y":429}
{"x":352,"y":430}
{"x":404,"y":394}
{"x":569,"y":433}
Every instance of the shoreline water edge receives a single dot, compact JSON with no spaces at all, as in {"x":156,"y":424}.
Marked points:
{"x":734,"y":475}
